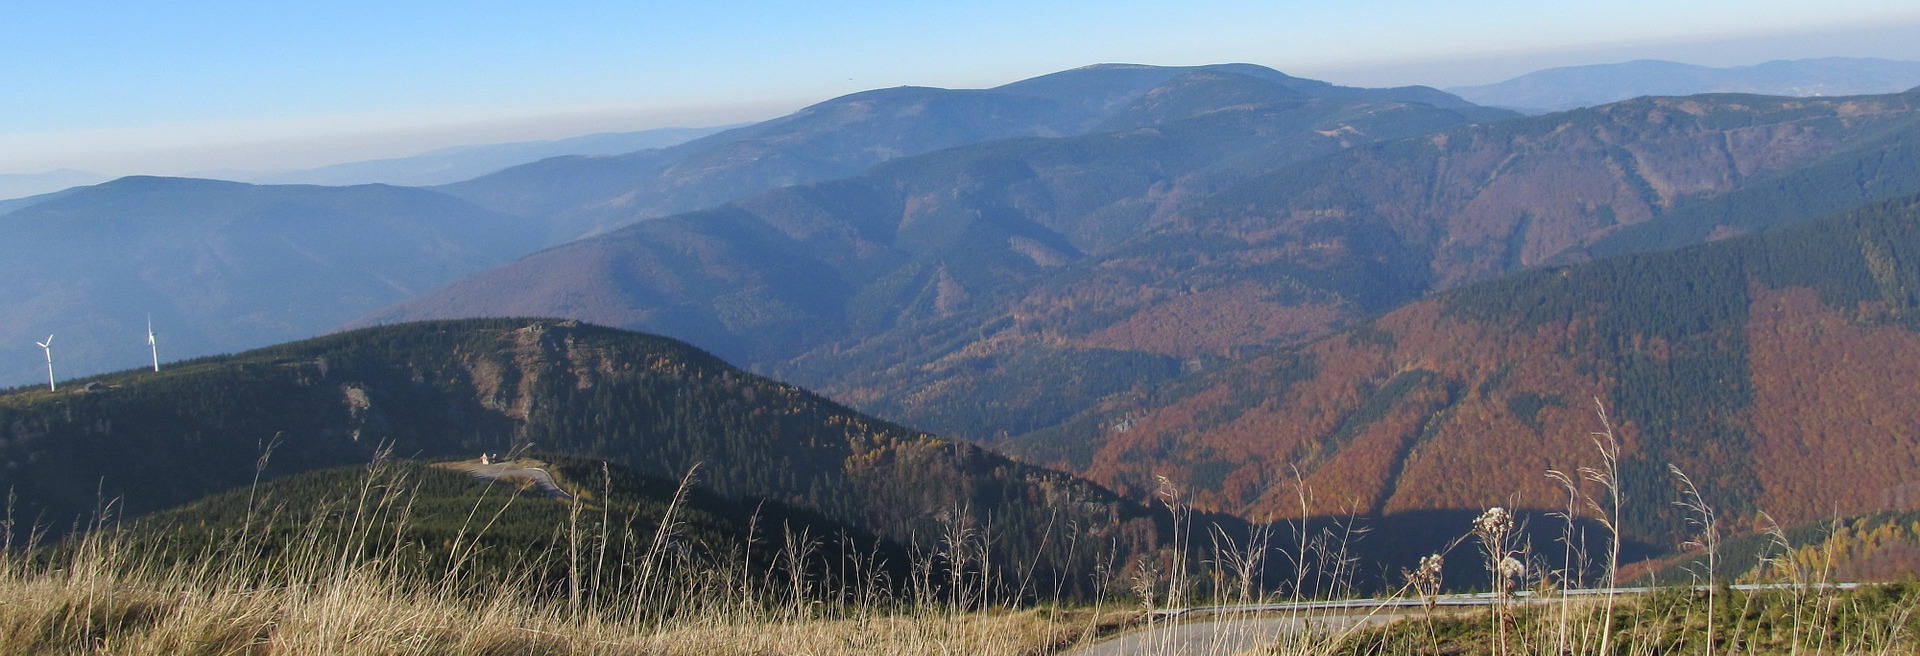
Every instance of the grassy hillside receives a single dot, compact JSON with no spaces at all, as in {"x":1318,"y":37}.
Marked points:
{"x":509,"y":533}
{"x":460,"y":388}
{"x":1881,"y":546}
{"x":357,"y":577}
{"x":402,"y":558}
{"x":134,"y":443}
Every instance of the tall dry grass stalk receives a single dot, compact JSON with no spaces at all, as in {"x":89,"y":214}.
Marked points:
{"x":1607,"y":475}
{"x":335,"y":590}
{"x":1799,"y":610}
{"x":1701,"y":516}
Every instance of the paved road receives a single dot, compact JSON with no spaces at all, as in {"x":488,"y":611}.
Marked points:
{"x":1452,"y":600}
{"x":1225,"y":636}
{"x":1228,"y":630}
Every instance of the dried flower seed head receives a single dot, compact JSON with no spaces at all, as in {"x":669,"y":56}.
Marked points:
{"x":1512,"y":567}
{"x":1511,"y":573}
{"x":1495,"y":521}
{"x":1425,"y":579}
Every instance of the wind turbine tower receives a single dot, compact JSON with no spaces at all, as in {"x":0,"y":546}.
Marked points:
{"x":48,"y":347}
{"x":151,"y":344}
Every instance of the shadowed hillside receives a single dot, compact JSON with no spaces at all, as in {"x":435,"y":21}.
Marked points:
{"x":460,"y":388}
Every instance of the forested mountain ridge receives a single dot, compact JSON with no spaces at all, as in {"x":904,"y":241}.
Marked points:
{"x":844,"y":136}
{"x":990,"y":291}
{"x":153,"y":440}
{"x":1293,"y":254}
{"x":925,"y":244}
{"x":458,"y":163}
{"x":226,"y":266}
{"x":1775,"y":369}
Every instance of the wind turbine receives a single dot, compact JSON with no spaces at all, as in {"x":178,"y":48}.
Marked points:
{"x":151,"y":344}
{"x":48,"y":347}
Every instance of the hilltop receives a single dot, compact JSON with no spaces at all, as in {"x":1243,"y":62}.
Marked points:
{"x":433,"y":390}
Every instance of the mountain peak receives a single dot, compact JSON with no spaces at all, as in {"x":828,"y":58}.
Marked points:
{"x":142,"y":182}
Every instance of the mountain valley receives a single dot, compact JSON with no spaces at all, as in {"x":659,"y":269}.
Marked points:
{"x":1185,"y":303}
{"x":945,"y":289}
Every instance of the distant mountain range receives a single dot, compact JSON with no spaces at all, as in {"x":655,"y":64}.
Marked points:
{"x":1556,"y":89}
{"x":222,"y":266}
{"x":18,"y":185}
{"x":993,"y":291}
{"x":430,"y":168}
{"x":581,"y":196}
{"x":230,"y":266}
{"x":928,"y":237}
{"x":459,"y":163}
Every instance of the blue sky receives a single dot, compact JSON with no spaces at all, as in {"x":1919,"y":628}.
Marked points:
{"x":128,"y":87}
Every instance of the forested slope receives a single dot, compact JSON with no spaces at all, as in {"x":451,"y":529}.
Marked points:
{"x":1775,"y":369}
{"x":153,"y":440}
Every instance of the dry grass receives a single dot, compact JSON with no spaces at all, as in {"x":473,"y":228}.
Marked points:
{"x":105,"y":594}
{"x":1804,"y":614}
{"x":1878,"y":620}
{"x":51,"y":613}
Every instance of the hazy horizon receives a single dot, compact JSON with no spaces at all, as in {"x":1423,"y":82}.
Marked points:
{"x":297,"y":92}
